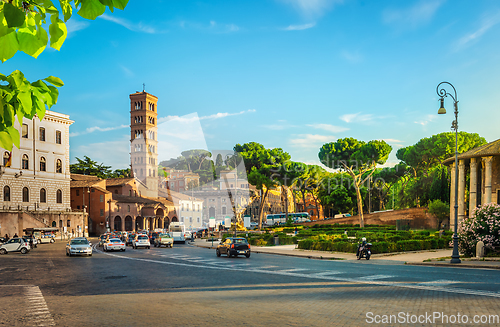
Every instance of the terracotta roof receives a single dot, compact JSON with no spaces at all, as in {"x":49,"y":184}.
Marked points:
{"x":83,"y":183}
{"x":133,"y":199}
{"x":118,"y":181}
{"x":164,"y":201}
{"x":489,"y":149}
{"x":80,"y":177}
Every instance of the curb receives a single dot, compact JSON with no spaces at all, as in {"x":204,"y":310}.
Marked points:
{"x":451,"y":265}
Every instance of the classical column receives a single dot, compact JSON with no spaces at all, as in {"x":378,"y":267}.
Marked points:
{"x":133,"y":225}
{"x":461,"y":190}
{"x":452,"y":197}
{"x":123,"y":223}
{"x":487,"y":179}
{"x":473,"y":186}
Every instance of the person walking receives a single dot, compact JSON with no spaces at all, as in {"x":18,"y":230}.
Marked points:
{"x":15,"y":235}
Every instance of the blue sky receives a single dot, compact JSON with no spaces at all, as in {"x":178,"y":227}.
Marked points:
{"x":293,"y":74}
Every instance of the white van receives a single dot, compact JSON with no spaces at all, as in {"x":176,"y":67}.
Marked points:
{"x":177,"y":230}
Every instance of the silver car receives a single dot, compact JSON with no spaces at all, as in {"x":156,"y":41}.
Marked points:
{"x":16,"y":244}
{"x":79,"y":246}
{"x":141,"y":241}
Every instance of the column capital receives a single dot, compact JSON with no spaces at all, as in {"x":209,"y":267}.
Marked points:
{"x":487,"y":160}
{"x":473,"y":163}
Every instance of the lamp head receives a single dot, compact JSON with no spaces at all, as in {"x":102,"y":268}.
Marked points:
{"x":442,"y":110}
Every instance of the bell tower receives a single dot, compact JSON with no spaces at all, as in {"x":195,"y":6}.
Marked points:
{"x":144,"y":141}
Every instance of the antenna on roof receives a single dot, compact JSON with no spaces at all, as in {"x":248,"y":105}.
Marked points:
{"x":143,"y":87}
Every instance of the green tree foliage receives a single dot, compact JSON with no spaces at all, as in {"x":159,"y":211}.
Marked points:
{"x":440,"y":210}
{"x":218,"y":161}
{"x":23,"y":25}
{"x":384,"y":180}
{"x":337,"y":193}
{"x":263,"y":166}
{"x":88,"y":166}
{"x":357,"y":158}
{"x":196,"y":161}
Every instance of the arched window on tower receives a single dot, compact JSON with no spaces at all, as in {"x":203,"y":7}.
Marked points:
{"x":58,"y":166}
{"x":43,"y":195}
{"x":25,"y":162}
{"x":59,"y":196}
{"x":6,"y":193}
{"x":6,"y":157}
{"x":26,"y":194}
{"x":43,"y":164}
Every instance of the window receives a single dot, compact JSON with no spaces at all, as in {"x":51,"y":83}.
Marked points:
{"x":223,"y":210}
{"x":25,"y":162}
{"x":102,"y":212}
{"x":190,"y":219}
{"x":43,"y":196}
{"x":116,"y":191}
{"x":26,"y":194}
{"x":59,"y":196}
{"x":42,"y":134}
{"x":77,"y":192}
{"x":129,"y":192}
{"x":54,"y":224}
{"x":58,"y":166}
{"x":128,"y":208}
{"x":6,"y":157}
{"x":101,"y":198}
{"x":6,"y":193}
{"x":25,"y":131}
{"x":78,"y":207}
{"x":43,"y":164}
{"x":68,"y":223}
{"x":58,"y":137}
{"x":198,"y":220}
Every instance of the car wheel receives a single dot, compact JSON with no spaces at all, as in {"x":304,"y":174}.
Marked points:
{"x":217,"y":252}
{"x":3,"y":251}
{"x":52,"y":240}
{"x":149,"y":247}
{"x":367,"y":257}
{"x":123,"y":250}
{"x":247,"y":255}
{"x":229,"y":254}
{"x":90,"y":255}
{"x":67,"y":253}
{"x":24,"y":250}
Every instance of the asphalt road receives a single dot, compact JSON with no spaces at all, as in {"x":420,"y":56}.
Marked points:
{"x":190,"y":286}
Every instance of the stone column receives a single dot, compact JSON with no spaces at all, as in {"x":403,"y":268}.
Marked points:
{"x":452,"y":197}
{"x":473,"y":186}
{"x":123,"y":223}
{"x":461,"y":190}
{"x":487,"y":179}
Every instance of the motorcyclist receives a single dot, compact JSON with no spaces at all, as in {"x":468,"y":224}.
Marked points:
{"x":361,"y":247}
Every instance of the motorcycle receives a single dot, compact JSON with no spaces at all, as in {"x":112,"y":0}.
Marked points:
{"x":364,"y":251}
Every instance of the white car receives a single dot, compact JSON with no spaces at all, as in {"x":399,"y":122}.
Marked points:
{"x":16,"y":244}
{"x":79,"y":246}
{"x":114,"y":244}
{"x":141,"y":241}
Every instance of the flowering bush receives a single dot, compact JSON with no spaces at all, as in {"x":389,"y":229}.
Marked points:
{"x":483,"y":225}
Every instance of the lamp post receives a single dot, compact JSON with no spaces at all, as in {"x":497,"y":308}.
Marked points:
{"x":442,"y":93}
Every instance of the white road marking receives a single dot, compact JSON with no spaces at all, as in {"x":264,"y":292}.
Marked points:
{"x":266,"y":270}
{"x":36,"y":308}
{"x":440,"y":282}
{"x":374,"y":277}
{"x":324,"y":273}
{"x":294,"y":270}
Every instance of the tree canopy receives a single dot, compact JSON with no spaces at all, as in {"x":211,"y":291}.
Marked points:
{"x":23,"y":27}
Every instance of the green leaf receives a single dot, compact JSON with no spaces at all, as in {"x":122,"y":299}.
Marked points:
{"x":66,"y":9}
{"x":108,"y":3}
{"x":38,"y":107}
{"x":54,"y":93}
{"x":14,"y":16}
{"x":56,"y":81}
{"x":14,"y":134}
{"x":5,"y":140}
{"x":8,"y":46}
{"x":32,"y":40}
{"x":58,"y":32}
{"x":120,"y":4}
{"x":17,"y":78}
{"x":91,"y":9}
{"x":25,"y":100}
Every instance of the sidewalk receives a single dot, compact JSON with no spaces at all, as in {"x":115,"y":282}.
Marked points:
{"x":420,"y":258}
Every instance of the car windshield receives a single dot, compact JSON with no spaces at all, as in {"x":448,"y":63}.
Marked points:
{"x":115,"y":240}
{"x":240,"y":241}
{"x":165,"y":235}
{"x":142,"y":237}
{"x":79,"y":242}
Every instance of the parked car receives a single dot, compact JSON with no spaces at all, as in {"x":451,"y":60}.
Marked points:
{"x":47,"y":238}
{"x":102,"y":239}
{"x":233,"y":246}
{"x":201,"y":231}
{"x":3,"y":240}
{"x":114,"y":244}
{"x":79,"y":246}
{"x":164,"y":239}
{"x":16,"y":244}
{"x":141,"y":241}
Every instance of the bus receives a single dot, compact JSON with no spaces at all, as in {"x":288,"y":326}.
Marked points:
{"x":43,"y":234}
{"x":280,"y":218}
{"x":177,"y":230}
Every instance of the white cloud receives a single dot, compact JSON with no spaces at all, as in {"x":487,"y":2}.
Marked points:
{"x":311,"y":140}
{"x":358,"y":117}
{"x":419,"y":14}
{"x":352,"y":57}
{"x":127,"y":71}
{"x":214,"y":116}
{"x":427,"y":119}
{"x":139,"y":27}
{"x":98,"y":129}
{"x":393,"y":142}
{"x":486,"y":24}
{"x":75,"y":25}
{"x":312,"y":8}
{"x":329,"y":128}
{"x":299,"y":27}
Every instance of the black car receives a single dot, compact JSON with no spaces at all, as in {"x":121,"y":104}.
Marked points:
{"x":233,"y":246}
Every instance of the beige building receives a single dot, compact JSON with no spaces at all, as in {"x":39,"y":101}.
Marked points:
{"x":482,"y":166}
{"x":35,"y":179}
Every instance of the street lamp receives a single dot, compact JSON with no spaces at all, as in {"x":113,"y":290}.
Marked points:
{"x":455,"y":257}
